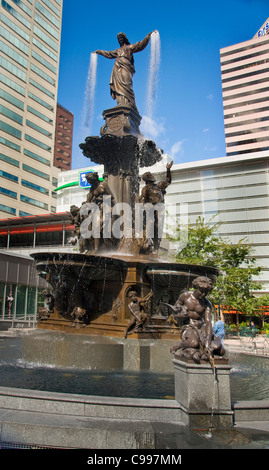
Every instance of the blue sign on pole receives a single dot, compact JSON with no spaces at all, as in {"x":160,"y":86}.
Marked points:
{"x":83,"y":183}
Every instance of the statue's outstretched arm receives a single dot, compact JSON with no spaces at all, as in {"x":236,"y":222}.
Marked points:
{"x":140,"y":45}
{"x":107,"y":54}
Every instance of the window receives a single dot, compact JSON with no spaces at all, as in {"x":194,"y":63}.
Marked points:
{"x":16,"y":14}
{"x":15,"y":28}
{"x":34,"y":202}
{"x":36,"y":157}
{"x":245,"y":75}
{"x":31,"y":301}
{"x":46,"y":26}
{"x":34,"y":186}
{"x":44,"y":62}
{"x":52,"y":7}
{"x":10,"y":160}
{"x":20,"y":303}
{"x":13,"y":54}
{"x":38,"y":114}
{"x":38,"y":128}
{"x":10,"y":114}
{"x":36,"y":172}
{"x":39,"y":33}
{"x":44,"y":49}
{"x":9,"y":144}
{"x":9,"y":176}
{"x":37,"y":142}
{"x":13,"y":69}
{"x":11,"y":99}
{"x":49,"y":238}
{"x":9,"y":306}
{"x":38,"y":100}
{"x":11,"y":84}
{"x":41,"y":88}
{"x":14,"y":40}
{"x":8,"y":192}
{"x":241,"y":67}
{"x":42,"y":74}
{"x":8,"y":209}
{"x":24,"y":214}
{"x":21,"y":239}
{"x":10,"y":130}
{"x":47,"y":14}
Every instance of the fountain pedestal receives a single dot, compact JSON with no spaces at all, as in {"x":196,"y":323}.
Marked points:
{"x":204,"y":396}
{"x":121,"y":121}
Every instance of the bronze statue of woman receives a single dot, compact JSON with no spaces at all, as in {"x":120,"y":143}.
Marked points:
{"x":121,"y":81}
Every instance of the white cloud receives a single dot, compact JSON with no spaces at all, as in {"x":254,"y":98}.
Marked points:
{"x":177,"y":148}
{"x":206,"y":129}
{"x":151,"y":128}
{"x":210,"y":97}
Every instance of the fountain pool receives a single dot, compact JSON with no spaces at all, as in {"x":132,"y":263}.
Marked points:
{"x":249,"y":377}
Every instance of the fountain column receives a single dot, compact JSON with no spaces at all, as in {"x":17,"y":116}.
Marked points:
{"x":204,"y":393}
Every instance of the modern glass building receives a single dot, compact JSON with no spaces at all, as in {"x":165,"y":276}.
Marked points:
{"x":30,"y":33}
{"x":245,"y":89}
{"x":234,"y":190}
{"x":20,"y":291}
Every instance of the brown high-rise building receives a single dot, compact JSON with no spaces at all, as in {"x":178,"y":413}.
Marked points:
{"x":63,"y":138}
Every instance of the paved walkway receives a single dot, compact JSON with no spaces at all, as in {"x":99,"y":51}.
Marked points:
{"x":258,"y":346}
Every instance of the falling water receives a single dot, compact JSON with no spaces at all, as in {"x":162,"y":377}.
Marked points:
{"x":155,"y":58}
{"x":88,"y":106}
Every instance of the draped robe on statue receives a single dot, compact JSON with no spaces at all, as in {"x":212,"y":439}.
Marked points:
{"x":121,"y":81}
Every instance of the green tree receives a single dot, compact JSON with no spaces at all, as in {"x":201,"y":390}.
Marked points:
{"x":235,"y":285}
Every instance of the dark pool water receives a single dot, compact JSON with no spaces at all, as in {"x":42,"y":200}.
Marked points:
{"x":249,"y":377}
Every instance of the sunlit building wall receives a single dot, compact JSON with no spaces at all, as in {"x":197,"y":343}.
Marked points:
{"x":30,"y":49}
{"x":245,"y":89}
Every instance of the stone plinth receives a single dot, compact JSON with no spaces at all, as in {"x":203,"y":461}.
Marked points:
{"x":204,"y":396}
{"x":121,"y":121}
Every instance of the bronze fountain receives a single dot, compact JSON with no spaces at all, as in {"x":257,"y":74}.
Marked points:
{"x":117,"y":285}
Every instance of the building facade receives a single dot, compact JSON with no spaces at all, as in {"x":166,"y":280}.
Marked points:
{"x":63,"y":139}
{"x":245,"y":89}
{"x":30,"y":50}
{"x":235,"y":191}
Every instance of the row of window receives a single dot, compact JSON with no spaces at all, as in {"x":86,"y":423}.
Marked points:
{"x":14,"y":70}
{"x":12,"y":211}
{"x":24,"y":182}
{"x":244,"y":48}
{"x":245,"y":113}
{"x":18,"y":134}
{"x":39,"y":19}
{"x":245,"y":75}
{"x":36,"y":239}
{"x":247,"y":131}
{"x":241,"y":67}
{"x":25,"y":304}
{"x":245,"y":57}
{"x":243,"y":85}
{"x":245,"y":103}
{"x":19,"y":119}
{"x":242,"y":152}
{"x":14,"y":55}
{"x":248,"y":141}
{"x":247,"y":122}
{"x":246,"y":93}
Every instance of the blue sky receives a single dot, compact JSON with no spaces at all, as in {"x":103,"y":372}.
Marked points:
{"x":188,"y":115}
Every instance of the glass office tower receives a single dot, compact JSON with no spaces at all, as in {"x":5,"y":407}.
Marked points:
{"x":30,"y":49}
{"x":245,"y":88}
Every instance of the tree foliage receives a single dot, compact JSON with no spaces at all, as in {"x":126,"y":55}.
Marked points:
{"x":236,"y":262}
